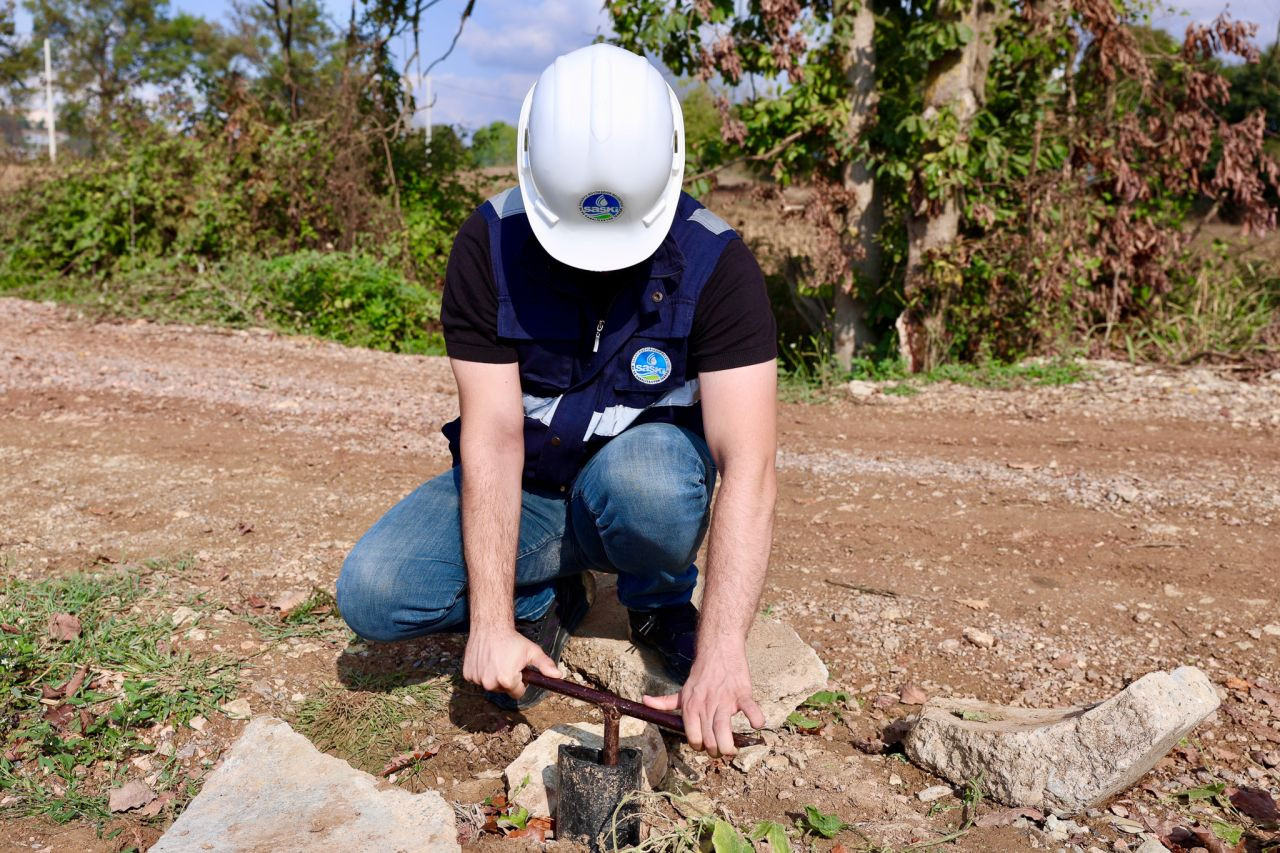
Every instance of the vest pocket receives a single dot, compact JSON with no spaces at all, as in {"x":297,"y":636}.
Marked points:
{"x":649,"y":368}
{"x":546,"y":366}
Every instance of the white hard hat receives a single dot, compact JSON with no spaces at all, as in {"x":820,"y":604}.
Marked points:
{"x":600,"y":153}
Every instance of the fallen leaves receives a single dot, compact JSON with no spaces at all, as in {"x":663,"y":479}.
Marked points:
{"x":64,"y":627}
{"x":912,"y":694}
{"x":289,"y":599}
{"x":1256,"y":803}
{"x":405,"y":759}
{"x":131,"y":795}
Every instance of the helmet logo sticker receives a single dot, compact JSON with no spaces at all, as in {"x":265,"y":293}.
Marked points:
{"x":651,"y":366}
{"x":601,"y":206}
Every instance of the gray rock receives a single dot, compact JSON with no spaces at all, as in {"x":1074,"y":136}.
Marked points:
{"x":276,"y":792}
{"x":537,"y":763}
{"x":935,"y":792}
{"x":749,"y":756}
{"x":784,"y":669}
{"x":1151,"y":846}
{"x":1064,"y":759}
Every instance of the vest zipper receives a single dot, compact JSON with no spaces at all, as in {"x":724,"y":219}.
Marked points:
{"x":595,"y":347}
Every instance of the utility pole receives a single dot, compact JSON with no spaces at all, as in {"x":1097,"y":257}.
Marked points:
{"x":48,"y":102}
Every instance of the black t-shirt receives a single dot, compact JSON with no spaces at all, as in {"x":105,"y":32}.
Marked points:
{"x":733,"y":323}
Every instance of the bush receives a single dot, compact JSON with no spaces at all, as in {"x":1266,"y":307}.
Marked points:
{"x":351,"y":299}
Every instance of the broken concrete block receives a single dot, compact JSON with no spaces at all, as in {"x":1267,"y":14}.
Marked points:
{"x":784,"y":669}
{"x":275,"y":791}
{"x":537,"y":763}
{"x":1064,"y":759}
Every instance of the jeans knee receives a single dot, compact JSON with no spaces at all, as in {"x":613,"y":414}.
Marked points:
{"x":379,"y":603}
{"x":363,"y":600}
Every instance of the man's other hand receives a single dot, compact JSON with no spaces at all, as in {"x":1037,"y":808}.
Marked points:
{"x":495,"y":657}
{"x":719,"y":686}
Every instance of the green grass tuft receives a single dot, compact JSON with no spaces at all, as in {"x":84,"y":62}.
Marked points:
{"x":60,"y":753}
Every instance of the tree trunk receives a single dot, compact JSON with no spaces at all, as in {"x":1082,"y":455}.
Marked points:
{"x":852,"y":333}
{"x":956,"y":85}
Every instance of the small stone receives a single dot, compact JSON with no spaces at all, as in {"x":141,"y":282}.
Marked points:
{"x":1151,"y":845}
{"x":521,"y":733}
{"x":238,"y":709}
{"x":949,"y":645}
{"x":935,"y":792}
{"x":181,"y":616}
{"x":895,"y":780}
{"x":785,"y":795}
{"x":275,"y":791}
{"x":798,"y":782}
{"x":1142,"y":616}
{"x":749,"y":756}
{"x":1271,"y":630}
{"x":198,"y":723}
{"x":1126,"y":493}
{"x":860,"y":388}
{"x":979,"y":638}
{"x":776,"y":763}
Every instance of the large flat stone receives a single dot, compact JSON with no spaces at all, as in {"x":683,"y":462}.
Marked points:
{"x":784,"y":669}
{"x":1063,"y":759}
{"x":276,"y":793}
{"x":537,"y":763}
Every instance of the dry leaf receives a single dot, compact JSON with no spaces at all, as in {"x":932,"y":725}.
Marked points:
{"x":64,"y":626}
{"x":154,"y":807}
{"x":1233,"y":683}
{"x":256,"y":601}
{"x":59,"y":716}
{"x":1256,"y":803}
{"x":400,"y":762}
{"x":131,"y":796}
{"x":9,"y":629}
{"x":535,"y":833}
{"x":912,"y":694}
{"x":289,"y":599}
{"x":243,"y":527}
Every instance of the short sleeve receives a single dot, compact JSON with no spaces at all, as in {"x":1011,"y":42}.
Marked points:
{"x":733,"y":324}
{"x":469,"y":307}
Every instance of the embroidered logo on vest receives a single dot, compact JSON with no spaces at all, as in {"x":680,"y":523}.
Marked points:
{"x":601,"y":206}
{"x":651,"y":366}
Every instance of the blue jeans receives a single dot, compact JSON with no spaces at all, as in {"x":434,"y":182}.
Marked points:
{"x":639,"y":507}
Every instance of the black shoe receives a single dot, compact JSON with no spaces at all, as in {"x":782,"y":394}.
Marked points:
{"x":573,"y":599}
{"x":670,"y":631}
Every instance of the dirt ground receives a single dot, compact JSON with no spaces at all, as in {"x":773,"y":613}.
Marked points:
{"x":1096,"y":531}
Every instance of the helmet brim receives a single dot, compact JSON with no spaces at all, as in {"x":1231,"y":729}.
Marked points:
{"x":600,"y":246}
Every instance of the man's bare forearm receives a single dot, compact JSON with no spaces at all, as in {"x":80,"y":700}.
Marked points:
{"x":738,"y":555}
{"x":490,"y":526}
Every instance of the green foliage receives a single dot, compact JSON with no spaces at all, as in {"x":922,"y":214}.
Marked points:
{"x":494,"y":145}
{"x":815,"y":822}
{"x":350,"y":299}
{"x":130,"y":680}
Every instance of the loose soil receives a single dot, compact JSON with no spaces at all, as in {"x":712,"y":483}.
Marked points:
{"x":1096,"y":531}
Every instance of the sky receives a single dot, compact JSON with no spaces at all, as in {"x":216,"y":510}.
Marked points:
{"x":508,"y":42}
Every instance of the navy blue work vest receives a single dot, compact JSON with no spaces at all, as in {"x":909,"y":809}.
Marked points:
{"x":584,"y":382}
